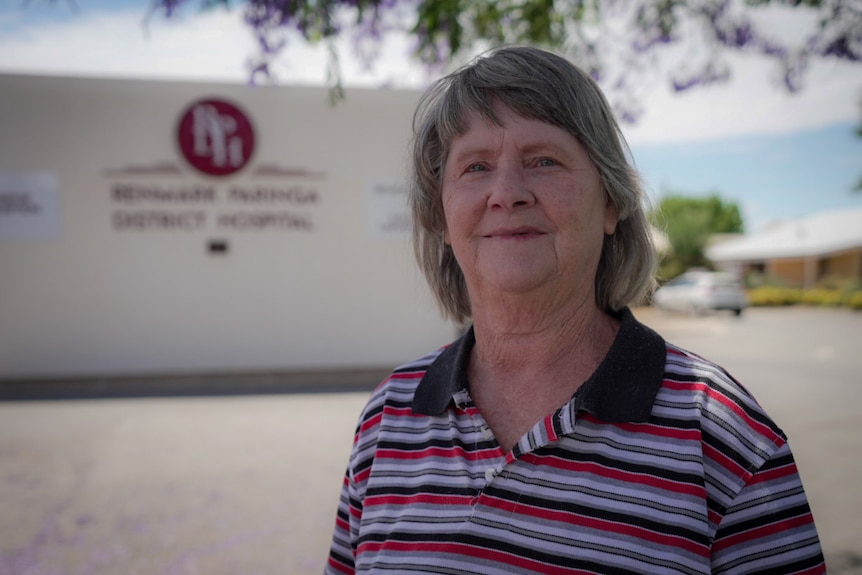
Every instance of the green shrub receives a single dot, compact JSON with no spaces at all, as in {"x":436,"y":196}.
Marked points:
{"x":823,"y":297}
{"x":771,"y":295}
{"x":854,"y":300}
{"x":774,"y":296}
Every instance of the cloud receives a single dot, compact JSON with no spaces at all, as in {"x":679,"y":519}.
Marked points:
{"x":213,"y":46}
{"x":751,"y":103}
{"x":216,"y":46}
{"x":118,"y":44}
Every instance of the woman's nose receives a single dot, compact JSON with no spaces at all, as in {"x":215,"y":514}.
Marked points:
{"x":510,"y":189}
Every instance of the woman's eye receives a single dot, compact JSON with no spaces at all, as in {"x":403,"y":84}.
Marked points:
{"x":476,"y":168}
{"x":547,"y":162}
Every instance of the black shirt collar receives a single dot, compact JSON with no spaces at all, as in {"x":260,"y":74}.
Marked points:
{"x":622,"y":389}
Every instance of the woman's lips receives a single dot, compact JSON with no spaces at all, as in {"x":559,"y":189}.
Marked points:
{"x":515,"y":233}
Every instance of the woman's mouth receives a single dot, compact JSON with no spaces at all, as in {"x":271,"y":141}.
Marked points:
{"x":515,"y":233}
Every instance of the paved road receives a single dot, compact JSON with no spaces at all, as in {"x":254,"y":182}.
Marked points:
{"x":248,"y":484}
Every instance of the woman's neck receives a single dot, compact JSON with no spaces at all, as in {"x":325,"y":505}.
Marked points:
{"x":521,"y":371}
{"x":531,"y":342}
{"x":547,"y":322}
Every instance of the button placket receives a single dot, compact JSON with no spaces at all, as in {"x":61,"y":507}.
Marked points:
{"x":482,"y":431}
{"x":487,"y":433}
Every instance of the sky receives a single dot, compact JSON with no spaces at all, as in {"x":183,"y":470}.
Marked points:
{"x":776,"y":155}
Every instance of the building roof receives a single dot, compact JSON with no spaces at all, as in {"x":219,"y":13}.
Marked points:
{"x":817,"y":235}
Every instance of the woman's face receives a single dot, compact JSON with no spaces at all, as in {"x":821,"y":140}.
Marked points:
{"x":524,"y":207}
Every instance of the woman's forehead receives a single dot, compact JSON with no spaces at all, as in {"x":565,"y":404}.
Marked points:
{"x":478,"y":127}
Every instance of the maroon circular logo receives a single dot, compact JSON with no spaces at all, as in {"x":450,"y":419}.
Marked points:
{"x":215,"y":137}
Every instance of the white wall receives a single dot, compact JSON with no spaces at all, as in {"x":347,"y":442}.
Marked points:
{"x":82,"y":296}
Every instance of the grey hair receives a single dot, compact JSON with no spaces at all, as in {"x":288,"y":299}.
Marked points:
{"x":540,"y":85}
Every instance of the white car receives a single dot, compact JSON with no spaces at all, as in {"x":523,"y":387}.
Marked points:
{"x":697,"y":292}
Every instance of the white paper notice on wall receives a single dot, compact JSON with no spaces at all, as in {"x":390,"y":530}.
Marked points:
{"x":29,"y":206}
{"x":386,"y":211}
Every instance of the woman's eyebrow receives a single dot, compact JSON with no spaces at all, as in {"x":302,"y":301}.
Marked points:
{"x":470,"y":151}
{"x":530,"y":147}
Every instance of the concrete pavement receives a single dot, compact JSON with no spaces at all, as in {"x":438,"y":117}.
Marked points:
{"x":213,"y":485}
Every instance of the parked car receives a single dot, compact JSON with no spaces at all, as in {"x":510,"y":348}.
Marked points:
{"x":697,"y":292}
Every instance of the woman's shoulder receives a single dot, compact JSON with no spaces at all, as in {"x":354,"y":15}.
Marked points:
{"x":701,"y":374}
{"x":400,"y":385}
{"x":727,"y":411}
{"x":390,"y":401}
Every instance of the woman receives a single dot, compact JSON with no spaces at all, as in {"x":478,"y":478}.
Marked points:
{"x":558,"y":435}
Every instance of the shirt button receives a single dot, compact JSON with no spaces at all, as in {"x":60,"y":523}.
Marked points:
{"x":490,"y":473}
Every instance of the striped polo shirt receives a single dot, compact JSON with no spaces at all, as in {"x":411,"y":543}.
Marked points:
{"x":661,"y":463}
